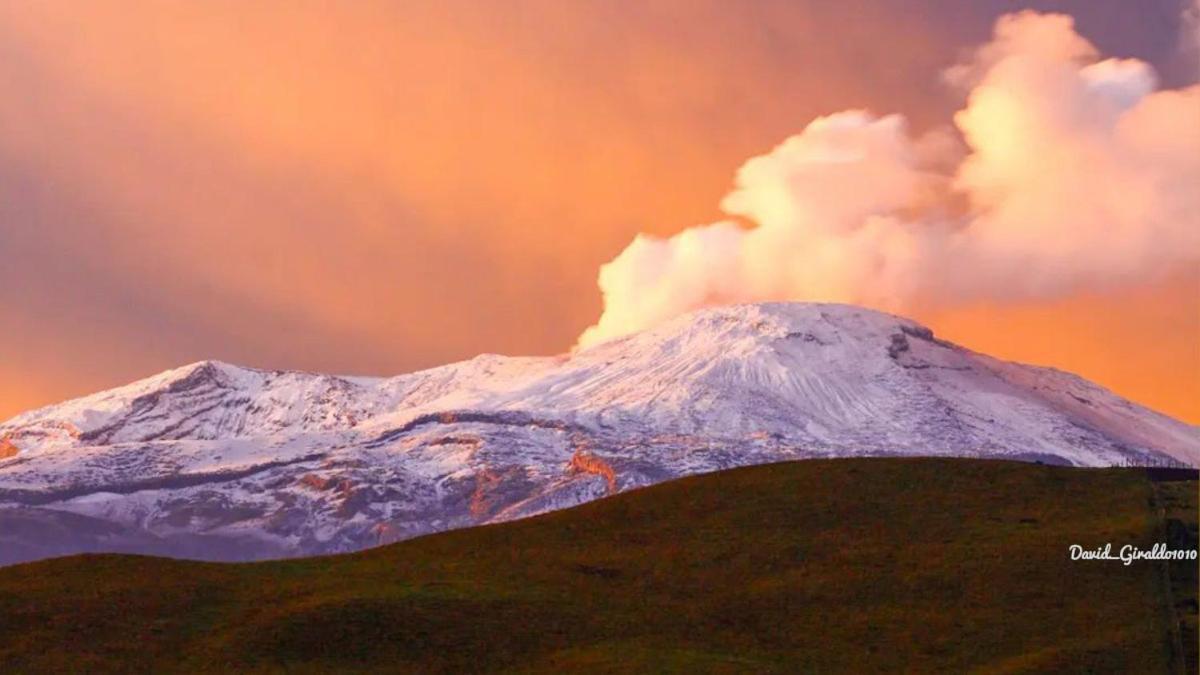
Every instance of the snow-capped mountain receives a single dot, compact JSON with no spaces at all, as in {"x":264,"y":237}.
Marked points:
{"x":217,"y":461}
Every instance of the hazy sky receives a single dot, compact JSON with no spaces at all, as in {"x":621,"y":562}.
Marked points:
{"x":375,"y":187}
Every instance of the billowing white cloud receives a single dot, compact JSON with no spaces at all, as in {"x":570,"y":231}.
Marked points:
{"x":1076,"y":173}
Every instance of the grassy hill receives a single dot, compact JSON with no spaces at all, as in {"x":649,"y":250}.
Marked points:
{"x":845,"y":565}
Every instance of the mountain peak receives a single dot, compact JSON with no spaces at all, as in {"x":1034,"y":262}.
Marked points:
{"x":726,"y":326}
{"x":314,"y":463}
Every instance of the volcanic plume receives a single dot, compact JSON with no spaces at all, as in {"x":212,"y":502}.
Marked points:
{"x":1063,"y":171}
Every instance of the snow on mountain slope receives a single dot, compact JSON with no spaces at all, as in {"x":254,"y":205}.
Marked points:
{"x":216,"y":460}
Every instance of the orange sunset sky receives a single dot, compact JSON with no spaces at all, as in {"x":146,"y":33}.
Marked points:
{"x":374,"y":187}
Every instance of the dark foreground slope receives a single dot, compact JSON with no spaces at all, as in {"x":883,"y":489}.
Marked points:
{"x":848,"y":565}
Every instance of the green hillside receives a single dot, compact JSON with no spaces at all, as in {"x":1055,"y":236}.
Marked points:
{"x":845,"y":565}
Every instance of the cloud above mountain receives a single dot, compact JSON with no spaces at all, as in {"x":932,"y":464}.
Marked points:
{"x":1064,"y":171}
{"x":377,"y":186}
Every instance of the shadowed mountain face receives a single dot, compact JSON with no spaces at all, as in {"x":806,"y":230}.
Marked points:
{"x":216,"y":461}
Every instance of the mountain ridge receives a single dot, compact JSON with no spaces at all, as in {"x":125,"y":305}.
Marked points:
{"x":310,"y":463}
